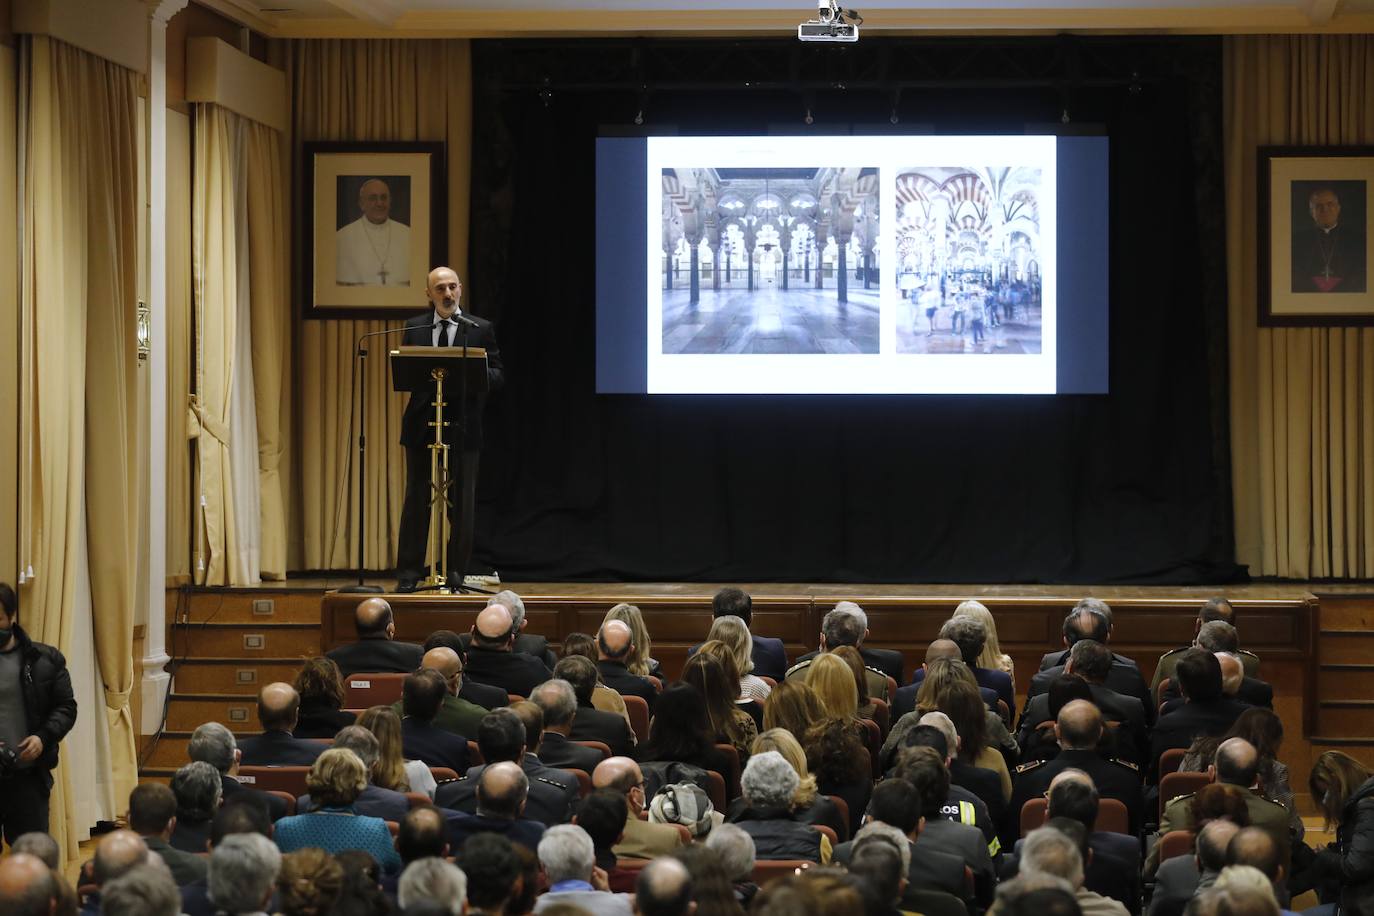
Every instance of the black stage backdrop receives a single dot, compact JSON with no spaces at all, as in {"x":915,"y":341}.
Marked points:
{"x":1129,"y":487}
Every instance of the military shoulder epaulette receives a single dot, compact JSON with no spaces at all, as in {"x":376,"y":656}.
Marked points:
{"x":552,"y":782}
{"x":1180,"y":798}
{"x":797,"y":667}
{"x":1125,"y":763}
{"x":1027,"y":767}
{"x":1172,"y":651}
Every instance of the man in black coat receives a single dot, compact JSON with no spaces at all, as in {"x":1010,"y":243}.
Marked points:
{"x":1089,"y":621}
{"x":278,"y":706}
{"x":846,"y":624}
{"x":529,"y":643}
{"x":1234,"y":684}
{"x":376,"y":651}
{"x":484,"y":695}
{"x":444,"y":325}
{"x":1206,"y":709}
{"x":904,"y":700}
{"x":493,"y":660}
{"x":214,"y":744}
{"x":422,"y":695}
{"x":1093,"y":662}
{"x":557,"y":700}
{"x":501,"y":738}
{"x":614,"y":642}
{"x":590,"y":723}
{"x":37,"y":709}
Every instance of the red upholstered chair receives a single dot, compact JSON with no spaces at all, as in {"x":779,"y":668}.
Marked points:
{"x":1175,"y":843}
{"x":766,"y":870}
{"x":1033,"y":814}
{"x":639,"y":715}
{"x":717,"y":791}
{"x":584,"y":782}
{"x":441,"y":774}
{"x":881,"y":714}
{"x":731,"y":778}
{"x":365,"y":689}
{"x":601,"y":746}
{"x":288,"y":798}
{"x":840,"y":805}
{"x":891,"y":689}
{"x":1170,"y":760}
{"x":1176,"y":784}
{"x":658,"y":685}
{"x":1112,"y":816}
{"x":875,"y":745}
{"x":394,"y":827}
{"x":513,"y":698}
{"x":828,"y":832}
{"x":418,"y":799}
{"x":290,"y":780}
{"x":475,"y":757}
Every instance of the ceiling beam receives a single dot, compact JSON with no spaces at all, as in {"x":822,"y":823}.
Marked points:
{"x":1320,"y":12}
{"x":374,"y":12}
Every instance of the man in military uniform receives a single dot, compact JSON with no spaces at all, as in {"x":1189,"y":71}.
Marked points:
{"x":501,"y":738}
{"x":1237,"y":764}
{"x":1079,"y":728}
{"x":1213,"y":609}
{"x":456,"y":714}
{"x":846,"y":625}
{"x":1220,"y":638}
{"x":1206,"y":709}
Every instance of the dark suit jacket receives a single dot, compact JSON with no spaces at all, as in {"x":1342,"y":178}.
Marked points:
{"x":1123,"y":677}
{"x":1060,"y":657}
{"x":484,"y":695}
{"x":433,"y":745}
{"x":1342,"y":249}
{"x":233,"y":791}
{"x":558,"y":751}
{"x":1252,"y":692}
{"x":617,"y":677}
{"x":513,"y":672}
{"x":592,"y":724}
{"x":529,"y":643}
{"x":415,"y":430}
{"x":1176,"y":882}
{"x":997,"y":681}
{"x":1113,"y":872}
{"x":1133,"y":741}
{"x":1112,"y":778}
{"x":931,"y":869}
{"x":524,"y":831}
{"x":373,"y":802}
{"x":376,"y":655}
{"x":1180,"y":727}
{"x":319,"y":720}
{"x":278,"y":749}
{"x":982,"y":782}
{"x":550,"y":798}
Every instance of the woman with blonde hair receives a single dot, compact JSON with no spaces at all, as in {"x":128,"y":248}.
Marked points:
{"x":308,"y":883}
{"x":851,"y":657}
{"x":712,"y":671}
{"x":992,"y":655}
{"x":833,"y":682}
{"x":808,"y":805}
{"x":392,"y":771}
{"x":640,"y":660}
{"x":940,"y":673}
{"x":793,"y":706}
{"x":336,"y":779}
{"x":1343,"y":790}
{"x":734,"y":633}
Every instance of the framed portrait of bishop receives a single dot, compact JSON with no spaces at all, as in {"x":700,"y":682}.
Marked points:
{"x":373,"y":226}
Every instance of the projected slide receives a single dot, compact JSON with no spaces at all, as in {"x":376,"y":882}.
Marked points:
{"x":850,"y":265}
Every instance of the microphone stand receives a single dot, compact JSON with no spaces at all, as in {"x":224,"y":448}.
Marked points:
{"x":360,"y":376}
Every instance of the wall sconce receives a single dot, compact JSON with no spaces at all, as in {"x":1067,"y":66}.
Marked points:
{"x":144,"y":331}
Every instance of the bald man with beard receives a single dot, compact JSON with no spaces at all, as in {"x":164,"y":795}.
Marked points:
{"x":377,"y":650}
{"x":492,"y":658}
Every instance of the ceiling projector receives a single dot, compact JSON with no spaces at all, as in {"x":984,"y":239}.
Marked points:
{"x":831,"y":24}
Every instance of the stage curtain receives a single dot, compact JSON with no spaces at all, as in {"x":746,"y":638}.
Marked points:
{"x":1302,"y":399}
{"x":78,"y":303}
{"x":384,"y":90}
{"x":179,"y":344}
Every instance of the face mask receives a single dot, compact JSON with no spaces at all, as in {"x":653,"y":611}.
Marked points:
{"x":5,"y":634}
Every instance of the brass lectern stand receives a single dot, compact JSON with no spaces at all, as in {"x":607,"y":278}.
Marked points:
{"x":415,"y":369}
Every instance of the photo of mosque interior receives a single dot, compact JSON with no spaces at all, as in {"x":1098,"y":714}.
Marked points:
{"x":968,"y":260}
{"x":770,"y":260}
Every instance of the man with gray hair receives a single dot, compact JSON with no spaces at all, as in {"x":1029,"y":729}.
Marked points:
{"x":1092,"y":661}
{"x":214,"y":744}
{"x":1060,"y":849}
{"x":1218,"y":608}
{"x":144,"y":890}
{"x":39,"y":845}
{"x":567,"y":855}
{"x":243,"y":871}
{"x":529,"y":643}
{"x":435,"y":880}
{"x":847,"y":625}
{"x":769,"y":784}
{"x":557,"y":700}
{"x":735,"y":848}
{"x":197,"y":787}
{"x":1092,"y":619}
{"x":374,"y":801}
{"x":1220,"y":638}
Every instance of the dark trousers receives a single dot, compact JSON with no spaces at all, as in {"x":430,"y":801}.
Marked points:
{"x":24,"y":805}
{"x":462,"y":502}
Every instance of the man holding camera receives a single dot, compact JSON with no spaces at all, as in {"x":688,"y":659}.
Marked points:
{"x":37,"y":709}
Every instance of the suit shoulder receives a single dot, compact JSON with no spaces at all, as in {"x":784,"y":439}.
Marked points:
{"x":1125,"y":765}
{"x":1179,"y":799}
{"x":798,"y":667}
{"x":1173,"y":652}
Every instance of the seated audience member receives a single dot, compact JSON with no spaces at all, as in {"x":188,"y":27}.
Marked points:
{"x":767,"y":653}
{"x":1244,"y":889}
{"x":492,"y":660}
{"x":1060,"y":849}
{"x":614,"y":645}
{"x":492,"y":868}
{"x":532,"y":717}
{"x":243,"y":815}
{"x":664,"y":888}
{"x":589,"y":722}
{"x":392,"y":770}
{"x":361,"y":894}
{"x":558,"y":702}
{"x":992,"y":656}
{"x":483,"y":695}
{"x":456,"y":715}
{"x":423,"y":833}
{"x":962,"y":804}
{"x":116,"y":853}
{"x":1234,"y":683}
{"x":198,"y":791}
{"x":1036,"y":738}
{"x":1210,"y":803}
{"x":308,"y":883}
{"x":433,"y":881}
{"x":39,"y":845}
{"x":769,"y":784}
{"x":971,"y":636}
{"x":958,"y":699}
{"x":642,"y":839}
{"x":335,"y":781}
{"x":918,"y":898}
{"x":1205,"y":711}
{"x":153,"y":816}
{"x":712,"y":890}
{"x":940,"y":673}
{"x":867,"y":709}
{"x":808,"y":805}
{"x":924,"y":768}
{"x":603,"y":815}
{"x":1092,"y":661}
{"x":839,"y":759}
{"x":1342,"y":787}
{"x":422,"y":696}
{"x":640,"y":661}
{"x":1179,"y":879}
{"x":278,"y":707}
{"x":734,"y":633}
{"x":1236,"y":764}
{"x":1253,"y":847}
{"x":373,"y":801}
{"x":28,"y":887}
{"x":568,"y":858}
{"x":904,"y":700}
{"x":847,"y":625}
{"x":527,"y":643}
{"x":1213,"y":609}
{"x":680,"y":731}
{"x":812,"y":892}
{"x":243,"y":873}
{"x":321,"y":690}
{"x":1091,"y":619}
{"x":712,"y":672}
{"x":502,"y":791}
{"x":1036,"y":895}
{"x":1263,"y":729}
{"x":376,"y":651}
{"x":603,"y":697}
{"x":501,"y":739}
{"x":735,"y":848}
{"x":147,"y":890}
{"x":896,"y":805}
{"x":1080,"y":730}
{"x":881,"y":869}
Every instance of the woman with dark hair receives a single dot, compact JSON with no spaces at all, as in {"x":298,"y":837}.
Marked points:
{"x":1343,"y":790}
{"x":792,"y":705}
{"x":940,"y":673}
{"x":308,"y":883}
{"x":712,"y":891}
{"x":681,"y":731}
{"x":322,"y":697}
{"x":839,"y":760}
{"x":708,"y":672}
{"x":965,"y":707}
{"x":1262,"y":728}
{"x":361,"y":893}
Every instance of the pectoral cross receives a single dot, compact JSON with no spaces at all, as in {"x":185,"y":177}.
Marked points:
{"x":382,"y":275}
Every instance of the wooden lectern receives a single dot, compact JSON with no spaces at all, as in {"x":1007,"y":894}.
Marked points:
{"x":415,"y":369}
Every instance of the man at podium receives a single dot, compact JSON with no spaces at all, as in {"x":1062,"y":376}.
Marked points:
{"x":442,"y":326}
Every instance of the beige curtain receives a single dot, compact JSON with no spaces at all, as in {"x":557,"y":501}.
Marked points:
{"x":78,"y":304}
{"x":367,"y":90}
{"x":179,"y":343}
{"x":1302,"y":399}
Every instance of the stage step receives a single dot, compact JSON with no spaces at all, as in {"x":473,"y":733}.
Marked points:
{"x":259,"y":605}
{"x":251,"y":641}
{"x":1346,"y":612}
{"x":1345,"y":682}
{"x":1345,"y":717}
{"x":170,"y":752}
{"x":234,"y":675}
{"x":186,"y":712}
{"x":1345,"y":647}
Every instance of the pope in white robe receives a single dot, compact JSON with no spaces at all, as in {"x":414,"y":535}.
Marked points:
{"x":373,"y":250}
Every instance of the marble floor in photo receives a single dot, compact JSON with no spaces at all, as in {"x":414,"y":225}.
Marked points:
{"x":914,"y":333}
{"x":771,"y":320}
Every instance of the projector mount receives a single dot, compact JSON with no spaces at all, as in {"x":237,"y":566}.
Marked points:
{"x":832,"y":23}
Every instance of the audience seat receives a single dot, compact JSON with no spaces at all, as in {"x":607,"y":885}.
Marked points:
{"x":286,"y":797}
{"x":1004,"y":711}
{"x":716,"y":790}
{"x":658,"y":685}
{"x":290,"y":780}
{"x":513,"y":698}
{"x":875,"y":745}
{"x":475,"y":757}
{"x":372,"y":689}
{"x":1176,"y":784}
{"x":601,"y":746}
{"x":842,"y":806}
{"x":1169,"y":760}
{"x":882,"y":714}
{"x":828,"y":832}
{"x":639,"y":715}
{"x":418,"y":799}
{"x":1112,"y":816}
{"x":1175,"y":843}
{"x":442,"y":774}
{"x":731,"y":778}
{"x":766,"y":870}
{"x":584,"y":782}
{"x":629,"y":863}
{"x":891,"y":689}
{"x":394,"y":827}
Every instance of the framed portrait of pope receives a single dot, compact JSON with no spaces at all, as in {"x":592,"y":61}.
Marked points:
{"x":375,"y":226}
